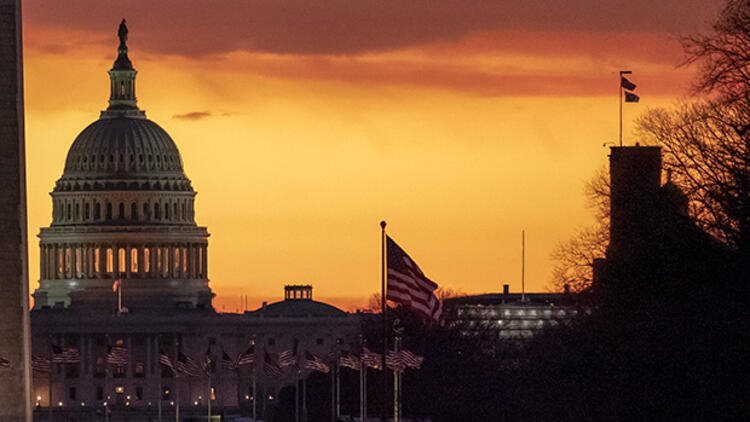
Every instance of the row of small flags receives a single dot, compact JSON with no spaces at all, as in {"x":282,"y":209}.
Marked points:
{"x":273,"y":365}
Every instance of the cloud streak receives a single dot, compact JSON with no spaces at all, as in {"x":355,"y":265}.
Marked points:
{"x":200,"y":27}
{"x":194,"y":115}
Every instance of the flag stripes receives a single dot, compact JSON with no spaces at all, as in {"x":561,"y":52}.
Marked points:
{"x":164,"y":360}
{"x":372,"y":359}
{"x":350,"y":360}
{"x":227,"y":363}
{"x":407,"y":284}
{"x":40,"y":363}
{"x":246,"y":358}
{"x":117,"y":355}
{"x":67,"y":355}
{"x":187,"y":365}
{"x":315,"y":363}
{"x":270,"y":366}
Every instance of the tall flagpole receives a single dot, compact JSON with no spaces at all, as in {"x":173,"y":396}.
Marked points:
{"x":619,"y":88}
{"x":383,"y":308}
{"x":296,"y":398}
{"x":396,"y":381}
{"x":51,"y":371}
{"x":158,"y":366}
{"x":208,"y":396}
{"x":523,"y":265}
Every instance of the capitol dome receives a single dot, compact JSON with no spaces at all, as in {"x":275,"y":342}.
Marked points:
{"x":120,"y":147}
{"x":123,"y":210}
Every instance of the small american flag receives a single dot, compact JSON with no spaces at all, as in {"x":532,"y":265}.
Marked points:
{"x":67,"y":355}
{"x":247,"y":357}
{"x":408,"y":286}
{"x":398,"y":361}
{"x":164,"y":360}
{"x":315,"y":363}
{"x":117,"y":355}
{"x":186,"y":365}
{"x":226,"y":362}
{"x":288,"y":357}
{"x":372,"y":359}
{"x":350,"y":360}
{"x":270,"y":367}
{"x":411,"y":360}
{"x":394,"y":361}
{"x":40,"y":363}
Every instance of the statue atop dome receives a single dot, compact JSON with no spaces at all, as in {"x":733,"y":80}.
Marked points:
{"x":122,"y":31}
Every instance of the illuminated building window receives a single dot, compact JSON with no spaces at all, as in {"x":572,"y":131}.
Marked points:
{"x":119,"y":389}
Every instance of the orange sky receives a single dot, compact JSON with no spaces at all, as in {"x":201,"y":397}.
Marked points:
{"x":303,"y":124}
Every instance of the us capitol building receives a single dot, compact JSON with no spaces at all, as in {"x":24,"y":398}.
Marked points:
{"x":124,"y":209}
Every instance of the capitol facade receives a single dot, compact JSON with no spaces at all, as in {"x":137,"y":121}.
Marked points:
{"x":124,"y":266}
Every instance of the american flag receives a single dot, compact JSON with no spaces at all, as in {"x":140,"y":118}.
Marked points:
{"x":247,"y":357}
{"x":226,"y":362}
{"x":270,"y":367}
{"x":186,"y":365}
{"x":40,"y":363}
{"x":117,"y":355}
{"x":164,"y":360}
{"x":4,"y":363}
{"x":398,"y":361}
{"x":394,"y":361}
{"x":350,"y":360}
{"x":288,"y":357}
{"x":411,"y":360}
{"x":372,"y":359}
{"x":315,"y":363}
{"x":67,"y":355}
{"x":408,"y":286}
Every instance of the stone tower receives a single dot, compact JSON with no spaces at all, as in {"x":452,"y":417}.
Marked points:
{"x":123,"y":210}
{"x":15,"y":392}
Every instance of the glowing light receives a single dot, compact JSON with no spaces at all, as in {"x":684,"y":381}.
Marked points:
{"x":59,"y":404}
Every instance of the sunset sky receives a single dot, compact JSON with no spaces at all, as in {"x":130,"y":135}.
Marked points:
{"x":302,"y":124}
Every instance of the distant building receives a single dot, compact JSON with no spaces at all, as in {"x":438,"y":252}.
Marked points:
{"x":510,"y":316}
{"x":123,"y":221}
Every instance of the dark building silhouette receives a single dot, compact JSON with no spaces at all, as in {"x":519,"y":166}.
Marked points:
{"x":14,"y":323}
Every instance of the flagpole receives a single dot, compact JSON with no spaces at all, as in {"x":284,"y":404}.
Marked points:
{"x":364,"y":391}
{"x":255,"y":396}
{"x":296,"y":398}
{"x":304,"y":399}
{"x":619,"y":88}
{"x":383,"y":308}
{"x":208,"y":395}
{"x":523,"y":265}
{"x":622,"y":72}
{"x":51,"y":371}
{"x":338,"y":387}
{"x":333,"y":393}
{"x":396,"y":381}
{"x":158,"y":366}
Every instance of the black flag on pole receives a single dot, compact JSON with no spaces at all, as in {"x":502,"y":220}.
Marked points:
{"x":631,"y":98}
{"x":625,"y":83}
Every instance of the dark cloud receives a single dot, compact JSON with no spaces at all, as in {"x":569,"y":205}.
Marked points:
{"x":203,"y":27}
{"x":193,"y":115}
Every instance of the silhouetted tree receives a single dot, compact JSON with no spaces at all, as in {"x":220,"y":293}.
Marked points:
{"x":706,"y":142}
{"x":574,"y":258}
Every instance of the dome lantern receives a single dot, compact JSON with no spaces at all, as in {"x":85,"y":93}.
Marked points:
{"x":122,"y":100}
